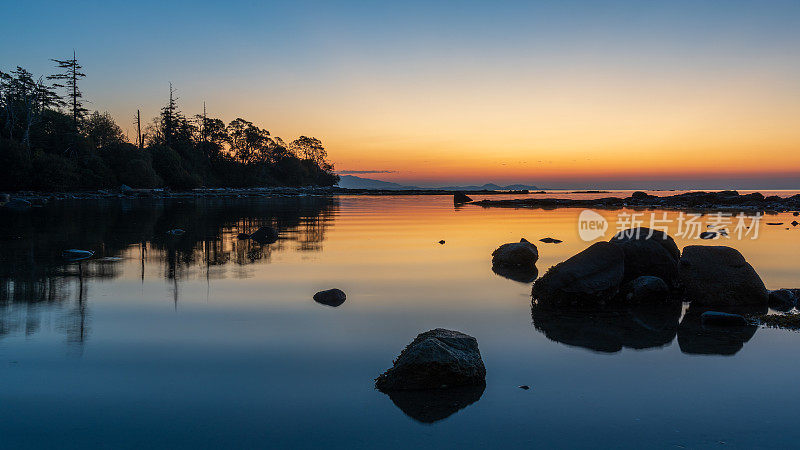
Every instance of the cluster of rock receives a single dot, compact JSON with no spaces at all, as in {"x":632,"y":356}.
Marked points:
{"x":628,"y":292}
{"x":645,"y":266}
{"x":722,"y":200}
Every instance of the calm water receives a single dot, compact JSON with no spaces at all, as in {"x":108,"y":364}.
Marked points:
{"x":205,"y":341}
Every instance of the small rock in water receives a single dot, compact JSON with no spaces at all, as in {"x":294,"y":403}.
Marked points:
{"x":442,"y":242}
{"x":435,"y":359}
{"x":794,"y":223}
{"x":782,"y":299}
{"x":76,"y":255}
{"x":331,"y":297}
{"x":524,"y":387}
{"x":722,"y":319}
{"x":796,"y":213}
{"x":708,"y":235}
{"x":18,"y":204}
{"x":549,"y":240}
{"x":460,"y":197}
{"x":176,"y":232}
{"x":125,"y":188}
{"x":516,"y":254}
{"x":265,"y":235}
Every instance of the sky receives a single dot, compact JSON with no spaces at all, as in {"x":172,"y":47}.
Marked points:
{"x":560,"y":94}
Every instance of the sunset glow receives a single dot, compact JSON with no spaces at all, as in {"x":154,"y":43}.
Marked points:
{"x":561,"y":94}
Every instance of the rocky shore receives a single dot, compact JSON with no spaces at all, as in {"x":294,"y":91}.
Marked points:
{"x":699,"y":200}
{"x":40,"y":198}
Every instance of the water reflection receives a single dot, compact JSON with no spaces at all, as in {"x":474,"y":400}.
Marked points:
{"x":695,"y":338}
{"x":35,"y":275}
{"x":609,"y":330}
{"x":519,"y":274}
{"x":431,"y":406}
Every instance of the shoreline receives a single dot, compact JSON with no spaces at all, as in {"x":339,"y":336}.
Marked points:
{"x":39,"y":197}
{"x":694,"y":200}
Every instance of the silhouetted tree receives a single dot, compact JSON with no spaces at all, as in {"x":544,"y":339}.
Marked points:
{"x":23,"y":100}
{"x":102,"y":130}
{"x":311,"y":148}
{"x":70,"y":76}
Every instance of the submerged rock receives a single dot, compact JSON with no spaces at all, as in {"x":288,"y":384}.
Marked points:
{"x":697,"y":338}
{"x":265,"y":235}
{"x":719,"y":275}
{"x":648,"y":252}
{"x":722,"y":319}
{"x":592,"y":276}
{"x":460,"y":197}
{"x":18,"y":204}
{"x":76,"y":254}
{"x":441,"y":242}
{"x":520,"y":254}
{"x":331,"y":297}
{"x":436,"y":359}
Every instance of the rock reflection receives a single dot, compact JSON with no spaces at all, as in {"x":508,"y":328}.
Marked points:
{"x":35,"y":277}
{"x":519,"y":274}
{"x":695,"y":338}
{"x":433,"y":405}
{"x":608,"y":330}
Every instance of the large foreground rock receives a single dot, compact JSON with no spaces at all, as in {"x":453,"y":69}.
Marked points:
{"x":520,"y":254}
{"x":720,"y":276}
{"x":648,"y":253}
{"x":593,"y":276}
{"x":436,"y":359}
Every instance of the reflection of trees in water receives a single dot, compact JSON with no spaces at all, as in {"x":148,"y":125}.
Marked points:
{"x":34,"y":278}
{"x":24,"y":300}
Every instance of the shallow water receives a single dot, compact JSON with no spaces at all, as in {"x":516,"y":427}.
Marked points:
{"x":202,"y":340}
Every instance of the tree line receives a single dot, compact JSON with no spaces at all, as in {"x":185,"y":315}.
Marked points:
{"x":50,"y":141}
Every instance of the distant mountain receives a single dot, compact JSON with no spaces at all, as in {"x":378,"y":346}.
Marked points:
{"x":353,"y":182}
{"x":490,"y":187}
